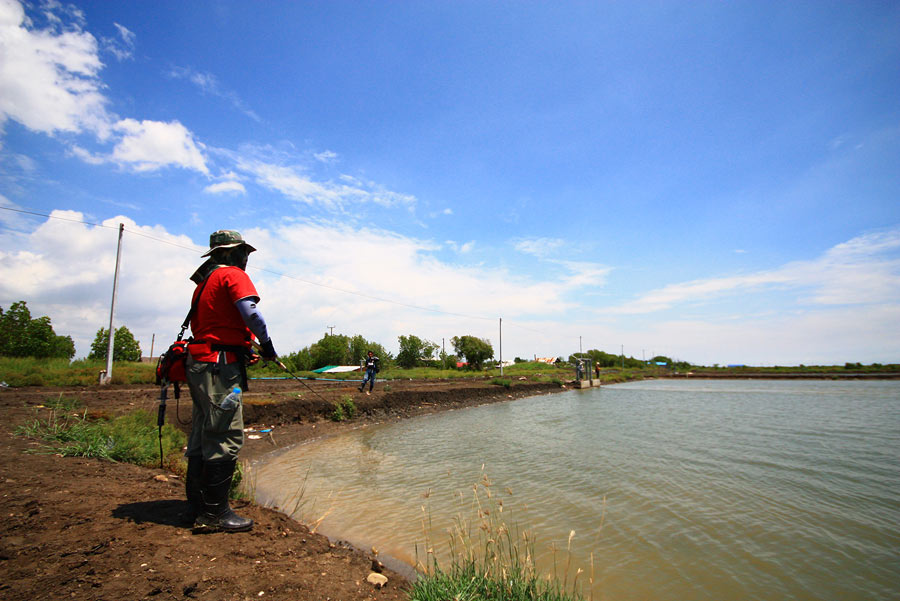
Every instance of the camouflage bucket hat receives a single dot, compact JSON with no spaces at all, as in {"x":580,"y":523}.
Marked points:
{"x":226,"y":239}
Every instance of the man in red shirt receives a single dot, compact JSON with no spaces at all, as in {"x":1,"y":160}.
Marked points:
{"x":224,"y":321}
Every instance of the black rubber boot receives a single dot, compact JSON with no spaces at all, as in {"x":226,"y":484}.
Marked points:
{"x":192,"y":488}
{"x":217,"y":514}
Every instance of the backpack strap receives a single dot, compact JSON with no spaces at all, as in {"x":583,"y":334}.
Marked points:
{"x":187,"y":319}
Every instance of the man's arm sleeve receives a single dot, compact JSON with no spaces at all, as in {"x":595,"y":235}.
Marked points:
{"x":253,"y":318}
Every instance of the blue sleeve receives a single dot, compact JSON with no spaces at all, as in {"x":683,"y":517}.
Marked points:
{"x":253,"y":318}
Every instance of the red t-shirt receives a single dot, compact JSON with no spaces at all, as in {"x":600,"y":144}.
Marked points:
{"x":216,"y":319}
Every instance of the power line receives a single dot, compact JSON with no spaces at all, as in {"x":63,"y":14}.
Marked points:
{"x":83,"y":222}
{"x":263,"y":269}
{"x":195,"y":249}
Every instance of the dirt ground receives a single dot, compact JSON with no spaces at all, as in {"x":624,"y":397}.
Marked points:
{"x":95,"y":530}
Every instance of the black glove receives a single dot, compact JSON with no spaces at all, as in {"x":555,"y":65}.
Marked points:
{"x":267,"y":350}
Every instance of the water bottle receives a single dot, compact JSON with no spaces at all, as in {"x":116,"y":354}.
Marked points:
{"x":232,"y":400}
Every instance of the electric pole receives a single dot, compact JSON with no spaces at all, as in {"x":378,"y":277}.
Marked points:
{"x":501,"y":346}
{"x":107,"y":375}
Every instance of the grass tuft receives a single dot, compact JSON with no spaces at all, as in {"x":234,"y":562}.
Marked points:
{"x":488,"y":560}
{"x":345,"y":409}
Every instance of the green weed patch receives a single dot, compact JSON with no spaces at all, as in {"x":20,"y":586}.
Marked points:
{"x":132,"y":438}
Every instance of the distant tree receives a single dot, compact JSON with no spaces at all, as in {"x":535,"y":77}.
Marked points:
{"x":299,"y":360}
{"x":337,"y":349}
{"x":333,"y":349}
{"x":414,"y":351}
{"x":447,"y":361}
{"x":125,"y":347}
{"x":358,"y":348}
{"x":475,"y":350}
{"x":22,"y":336}
{"x":603,"y":359}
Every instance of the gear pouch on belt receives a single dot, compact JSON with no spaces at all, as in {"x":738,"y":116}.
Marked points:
{"x":172,"y":364}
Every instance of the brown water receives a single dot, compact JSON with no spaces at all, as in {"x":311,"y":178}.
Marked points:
{"x":674,"y":489}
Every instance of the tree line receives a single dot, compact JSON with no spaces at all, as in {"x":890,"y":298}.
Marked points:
{"x":24,"y":336}
{"x":338,"y":349}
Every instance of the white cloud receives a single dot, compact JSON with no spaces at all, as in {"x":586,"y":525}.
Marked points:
{"x":208,"y":83}
{"x":65,"y":270}
{"x":86,"y":155}
{"x":121,"y":47}
{"x":295,"y":184}
{"x":226,"y":187}
{"x":863,"y":270}
{"x":375,"y":283}
{"x":49,"y":82}
{"x":462,"y":249}
{"x":381,"y":285}
{"x":49,"y":77}
{"x":12,"y":219}
{"x":539,"y":247}
{"x":150,"y":145}
{"x":326,"y":156}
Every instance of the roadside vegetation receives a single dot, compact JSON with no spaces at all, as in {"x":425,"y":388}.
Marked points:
{"x":32,"y":371}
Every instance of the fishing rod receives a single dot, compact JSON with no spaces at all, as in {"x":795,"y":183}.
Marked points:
{"x":289,"y":372}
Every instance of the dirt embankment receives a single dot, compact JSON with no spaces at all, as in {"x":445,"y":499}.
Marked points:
{"x":94,"y":530}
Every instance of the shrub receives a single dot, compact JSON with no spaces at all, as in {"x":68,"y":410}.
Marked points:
{"x":345,"y":409}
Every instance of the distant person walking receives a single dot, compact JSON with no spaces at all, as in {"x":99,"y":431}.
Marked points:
{"x":224,"y":320}
{"x":372,"y":367}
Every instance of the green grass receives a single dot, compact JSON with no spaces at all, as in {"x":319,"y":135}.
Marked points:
{"x":505,"y":382}
{"x":131,"y":438}
{"x":489,"y":560}
{"x":27,"y":371}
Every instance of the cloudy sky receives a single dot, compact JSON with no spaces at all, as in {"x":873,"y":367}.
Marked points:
{"x":716,"y":182}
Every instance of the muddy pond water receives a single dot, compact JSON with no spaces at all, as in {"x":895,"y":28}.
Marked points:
{"x":674,"y":490}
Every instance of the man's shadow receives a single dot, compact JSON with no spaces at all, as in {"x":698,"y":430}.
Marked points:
{"x":168,"y":512}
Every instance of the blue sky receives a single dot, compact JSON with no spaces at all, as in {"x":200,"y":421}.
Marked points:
{"x":716,"y":182}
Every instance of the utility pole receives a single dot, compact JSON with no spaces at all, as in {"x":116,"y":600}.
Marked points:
{"x":152,"y":340}
{"x":501,"y":346}
{"x":623,"y":356}
{"x":107,"y":375}
{"x":331,"y":328}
